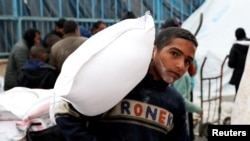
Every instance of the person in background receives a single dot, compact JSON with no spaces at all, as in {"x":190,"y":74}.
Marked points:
{"x":36,"y":73}
{"x":68,"y":44}
{"x":171,"y":22}
{"x":237,"y":57}
{"x":48,"y":42}
{"x":97,"y":26}
{"x":184,"y":87}
{"x":18,"y":56}
{"x":58,"y":28}
{"x":128,"y":15}
{"x":84,"y":32}
{"x":164,"y":118}
{"x":192,"y":70}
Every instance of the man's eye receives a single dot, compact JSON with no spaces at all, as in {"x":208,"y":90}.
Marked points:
{"x":187,"y":62}
{"x":174,"y":53}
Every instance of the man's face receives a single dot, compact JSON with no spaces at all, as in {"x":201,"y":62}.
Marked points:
{"x":37,"y":39}
{"x":173,"y":60}
{"x":59,"y":30}
{"x":101,"y":27}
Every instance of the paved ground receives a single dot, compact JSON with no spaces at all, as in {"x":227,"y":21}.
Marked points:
{"x":198,"y":138}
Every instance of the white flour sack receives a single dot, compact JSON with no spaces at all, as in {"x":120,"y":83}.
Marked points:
{"x":106,"y":67}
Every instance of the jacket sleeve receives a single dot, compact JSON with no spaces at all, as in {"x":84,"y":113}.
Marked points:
{"x":183,"y":86}
{"x":20,"y":56}
{"x":72,"y":125}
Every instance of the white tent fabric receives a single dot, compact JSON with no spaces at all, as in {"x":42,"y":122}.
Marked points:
{"x":217,"y":34}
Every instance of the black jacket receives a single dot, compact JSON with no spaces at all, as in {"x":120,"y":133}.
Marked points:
{"x":37,"y":74}
{"x":237,"y":59}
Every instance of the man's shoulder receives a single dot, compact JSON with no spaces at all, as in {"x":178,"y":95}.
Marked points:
{"x":19,"y":47}
{"x":80,"y":39}
{"x":58,"y":44}
{"x":74,"y":40}
{"x":47,"y":66}
{"x":20,"y":44}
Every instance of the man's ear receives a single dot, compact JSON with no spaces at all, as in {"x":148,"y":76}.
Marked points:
{"x":154,"y":52}
{"x":43,"y":56}
{"x":77,"y":31}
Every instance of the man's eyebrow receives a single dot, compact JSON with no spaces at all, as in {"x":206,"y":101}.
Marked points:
{"x":181,"y":52}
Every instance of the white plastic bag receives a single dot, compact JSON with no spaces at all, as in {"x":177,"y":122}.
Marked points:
{"x":20,"y":102}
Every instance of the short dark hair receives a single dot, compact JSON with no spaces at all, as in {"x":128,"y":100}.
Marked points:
{"x":97,"y":24}
{"x":128,"y":15}
{"x":36,"y":51}
{"x":240,"y":33}
{"x":70,"y":26}
{"x":29,"y":36}
{"x":171,"y":22}
{"x":60,"y":22}
{"x":167,"y":35}
{"x":50,"y":40}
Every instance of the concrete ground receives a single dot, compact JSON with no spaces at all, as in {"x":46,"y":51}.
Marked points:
{"x":202,"y":138}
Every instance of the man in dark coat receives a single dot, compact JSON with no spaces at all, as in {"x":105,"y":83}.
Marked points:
{"x":237,"y":57}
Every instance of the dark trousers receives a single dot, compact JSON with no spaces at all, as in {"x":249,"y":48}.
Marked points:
{"x":191,"y":126}
{"x":190,"y":121}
